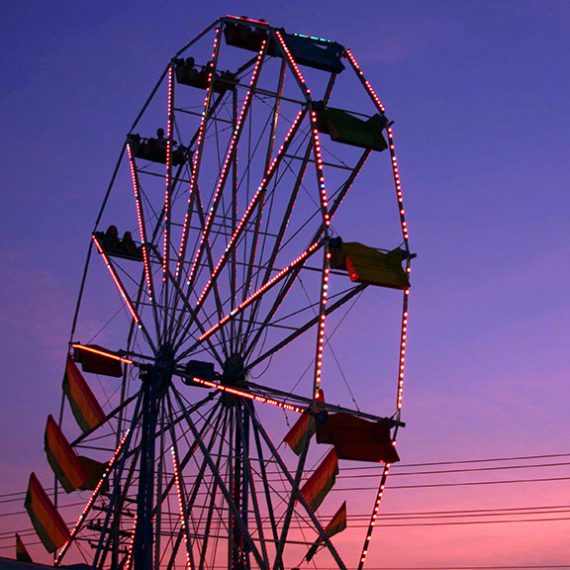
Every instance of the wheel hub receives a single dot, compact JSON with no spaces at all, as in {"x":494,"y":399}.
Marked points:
{"x":234,"y":376}
{"x":160,"y":373}
{"x":234,"y":371}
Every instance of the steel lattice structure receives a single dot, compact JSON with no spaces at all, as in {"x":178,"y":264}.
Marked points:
{"x":228,"y":300}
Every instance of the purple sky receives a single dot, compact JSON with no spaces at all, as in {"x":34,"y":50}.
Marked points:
{"x":479,"y":95}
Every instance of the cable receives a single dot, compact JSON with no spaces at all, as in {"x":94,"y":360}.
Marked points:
{"x":465,"y":484}
{"x":465,"y":470}
{"x":494,"y":567}
{"x":485,"y":460}
{"x":17,"y":496}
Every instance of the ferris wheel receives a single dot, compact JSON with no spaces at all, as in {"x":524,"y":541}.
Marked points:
{"x":240,"y":334}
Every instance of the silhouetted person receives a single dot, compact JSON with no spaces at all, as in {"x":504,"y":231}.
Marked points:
{"x":129,"y":246}
{"x":112,"y":238}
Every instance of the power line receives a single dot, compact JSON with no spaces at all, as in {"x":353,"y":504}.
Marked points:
{"x":406,"y":465}
{"x":402,"y":525}
{"x":415,"y":486}
{"x":464,"y":470}
{"x":60,"y":507}
{"x":464,"y":484}
{"x":419,"y":524}
{"x":486,"y":460}
{"x":272,"y":474}
{"x":462,"y":523}
{"x":418,"y":486}
{"x":494,"y":567}
{"x":404,"y":515}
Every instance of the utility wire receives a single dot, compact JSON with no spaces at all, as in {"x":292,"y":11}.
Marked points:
{"x":464,"y":484}
{"x":17,"y":496}
{"x":411,"y":515}
{"x":417,"y":486}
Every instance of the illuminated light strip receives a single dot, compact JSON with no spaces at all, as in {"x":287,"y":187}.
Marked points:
{"x":244,"y":19}
{"x":334,"y":208}
{"x":365,"y":81}
{"x":404,"y":329}
{"x":117,"y":282}
{"x":180,"y":503}
{"x":277,"y":246}
{"x":398,"y":183}
{"x":293,"y":64}
{"x":169,"y":128}
{"x":321,"y":327}
{"x":102,"y":353}
{"x":229,"y":154}
{"x":142,"y":230}
{"x":340,"y":198}
{"x":403,"y":345}
{"x":374,"y":516}
{"x":320,"y":170}
{"x":260,"y":291}
{"x":391,"y":145}
{"x":314,"y":132}
{"x":402,"y":212}
{"x":386,"y":470}
{"x":128,"y":561}
{"x":197,"y":155}
{"x":89,"y":504}
{"x":249,"y":395}
{"x":250,"y":207}
{"x":314,"y":38}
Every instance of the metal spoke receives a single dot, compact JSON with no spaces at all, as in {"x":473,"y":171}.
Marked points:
{"x":222,"y":486}
{"x":226,"y":166}
{"x":290,"y":282}
{"x":185,"y":506}
{"x":196,"y":162}
{"x":279,"y":239}
{"x":123,"y":293}
{"x":302,"y":329}
{"x":249,"y":479}
{"x":293,"y":266}
{"x":115,"y":495}
{"x":146,"y":247}
{"x":298,"y":495}
{"x":266,"y":487}
{"x":212,"y":506}
{"x":167,"y":194}
{"x":227,"y":238}
{"x":254,"y":203}
{"x":191,"y":310}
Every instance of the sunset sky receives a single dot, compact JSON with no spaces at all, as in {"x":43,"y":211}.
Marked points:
{"x":479,"y":92}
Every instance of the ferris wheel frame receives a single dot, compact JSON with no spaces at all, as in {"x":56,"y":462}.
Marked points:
{"x":179,"y":309}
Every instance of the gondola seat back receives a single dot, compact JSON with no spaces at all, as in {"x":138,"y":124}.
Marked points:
{"x":154,"y":150}
{"x":368,"y":265}
{"x":188,"y":73}
{"x":356,"y":438}
{"x":315,"y":53}
{"x":344,"y":127}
